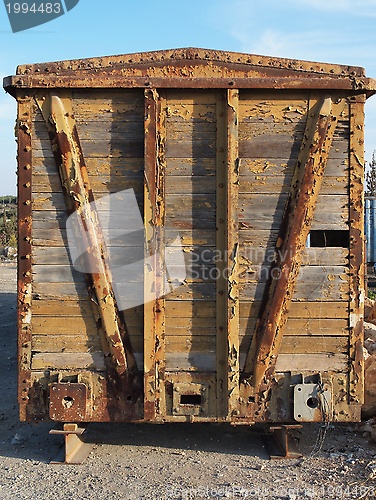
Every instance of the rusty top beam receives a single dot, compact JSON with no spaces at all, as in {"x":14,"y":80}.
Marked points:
{"x":190,"y":68}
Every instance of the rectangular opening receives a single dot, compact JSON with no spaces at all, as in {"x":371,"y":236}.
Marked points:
{"x":326,"y":238}
{"x":190,"y":399}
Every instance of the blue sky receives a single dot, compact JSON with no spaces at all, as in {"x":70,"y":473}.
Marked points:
{"x":336,"y":31}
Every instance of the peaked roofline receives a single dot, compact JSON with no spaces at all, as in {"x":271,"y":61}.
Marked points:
{"x":192,"y":54}
{"x":190,"y":68}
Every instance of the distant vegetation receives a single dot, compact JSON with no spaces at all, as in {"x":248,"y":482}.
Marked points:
{"x":8,"y":221}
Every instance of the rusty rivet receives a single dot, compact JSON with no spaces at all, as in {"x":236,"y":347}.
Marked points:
{"x":221,"y":221}
{"x":27,"y":167}
{"x":147,"y":84}
{"x":27,"y":185}
{"x":231,"y":83}
{"x":27,"y":202}
{"x":27,"y":274}
{"x":220,"y":292}
{"x":28,"y":239}
{"x":27,"y":149}
{"x":220,"y":185}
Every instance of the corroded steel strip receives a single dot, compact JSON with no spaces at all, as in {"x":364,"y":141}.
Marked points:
{"x":357,"y":257}
{"x":221,"y":246}
{"x":295,"y":227}
{"x":191,"y":55}
{"x":154,"y":311}
{"x":59,"y":117}
{"x":232,"y":253}
{"x":104,"y":80}
{"x":24,"y":285}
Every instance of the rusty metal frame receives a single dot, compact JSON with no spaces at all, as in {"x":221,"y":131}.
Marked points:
{"x":193,"y":55}
{"x":305,"y":187}
{"x":154,"y":201}
{"x":58,"y":114}
{"x":232,"y":247}
{"x":221,"y":245}
{"x":172,"y":81}
{"x":357,"y":257}
{"x":24,"y":281}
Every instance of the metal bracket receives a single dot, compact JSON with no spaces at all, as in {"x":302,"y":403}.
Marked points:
{"x":76,"y":450}
{"x":277,"y":442}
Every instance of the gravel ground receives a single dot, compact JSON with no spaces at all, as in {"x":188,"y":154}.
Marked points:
{"x":195,"y":461}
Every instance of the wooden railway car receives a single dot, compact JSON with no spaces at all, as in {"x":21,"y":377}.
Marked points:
{"x":240,"y":297}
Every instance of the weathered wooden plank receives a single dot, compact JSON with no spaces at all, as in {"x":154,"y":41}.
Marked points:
{"x":193,"y":113}
{"x":64,"y":343}
{"x":307,"y":344}
{"x":258,"y":183}
{"x":75,"y":308}
{"x":191,"y":361}
{"x":301,"y":310}
{"x":270,"y":167}
{"x":201,"y":309}
{"x":256,"y":108}
{"x":197,"y":291}
{"x":190,"y":97}
{"x":311,"y":363}
{"x":190,"y":167}
{"x":188,"y":343}
{"x":68,"y":361}
{"x":83,"y":327}
{"x":302,"y":326}
{"x":119,"y":148}
{"x":198,"y":184}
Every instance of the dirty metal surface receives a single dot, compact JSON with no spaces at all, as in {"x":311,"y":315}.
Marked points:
{"x":68,"y":402}
{"x":24,"y":284}
{"x":190,"y":68}
{"x":154,"y":312}
{"x":357,"y":256}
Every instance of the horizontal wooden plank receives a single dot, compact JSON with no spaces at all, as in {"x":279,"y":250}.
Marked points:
{"x":69,"y":309}
{"x":300,"y":310}
{"x":186,"y":344}
{"x":190,"y":167}
{"x":120,"y":148}
{"x":275,"y":109}
{"x":187,"y":309}
{"x":314,"y":345}
{"x":56,"y":274}
{"x":312,"y":363}
{"x":192,"y":291}
{"x":182,"y":111}
{"x":60,"y":291}
{"x":77,"y":326}
{"x":259,"y":183}
{"x":191,"y":96}
{"x":102,"y":185}
{"x":68,"y":361}
{"x":305,"y":291}
{"x":191,"y":361}
{"x":64,"y":344}
{"x":270,"y":167}
{"x":198,"y":184}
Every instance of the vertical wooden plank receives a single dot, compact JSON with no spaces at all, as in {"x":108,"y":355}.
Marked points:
{"x":221,"y":246}
{"x":24,"y":281}
{"x":154,"y":278}
{"x":357,"y":257}
{"x":232,"y":254}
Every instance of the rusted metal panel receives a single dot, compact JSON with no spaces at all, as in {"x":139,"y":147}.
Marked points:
{"x":357,"y":256}
{"x":24,"y":282}
{"x":232,"y":250}
{"x":170,"y":81}
{"x":154,"y":313}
